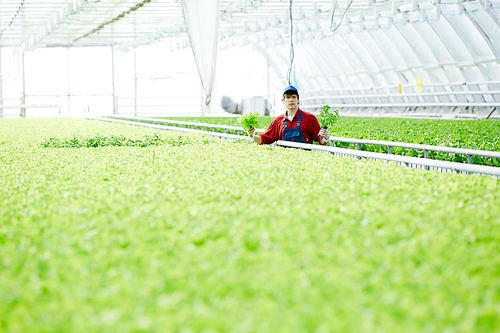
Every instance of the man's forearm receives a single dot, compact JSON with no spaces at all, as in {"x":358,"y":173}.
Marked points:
{"x":257,"y":139}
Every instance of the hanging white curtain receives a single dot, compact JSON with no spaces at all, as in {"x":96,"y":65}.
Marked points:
{"x":202,"y":22}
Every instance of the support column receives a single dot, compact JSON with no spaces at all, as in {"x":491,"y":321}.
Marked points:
{"x":268,"y":98}
{"x":202,"y":103}
{"x":23,"y":96}
{"x":115,"y":106}
{"x":135,"y":81}
{"x":1,"y":84}
{"x":68,"y":82}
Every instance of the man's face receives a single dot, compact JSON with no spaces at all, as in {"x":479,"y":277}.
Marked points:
{"x":291,"y":100}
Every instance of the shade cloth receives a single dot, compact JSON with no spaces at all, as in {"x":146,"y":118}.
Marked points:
{"x":202,"y":22}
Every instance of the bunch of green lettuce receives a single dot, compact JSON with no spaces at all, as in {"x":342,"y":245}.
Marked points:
{"x":327,"y":118}
{"x":249,"y":120}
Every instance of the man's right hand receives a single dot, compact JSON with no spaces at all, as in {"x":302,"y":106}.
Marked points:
{"x":251,"y":133}
{"x":256,"y":138}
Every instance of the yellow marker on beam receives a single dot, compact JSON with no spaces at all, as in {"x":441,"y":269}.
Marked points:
{"x":419,"y":84}
{"x":400,"y":88}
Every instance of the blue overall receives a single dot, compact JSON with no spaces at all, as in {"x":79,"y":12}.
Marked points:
{"x":294,"y":134}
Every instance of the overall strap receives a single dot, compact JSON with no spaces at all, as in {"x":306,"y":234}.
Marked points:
{"x":298,"y":122}
{"x":300,"y":118}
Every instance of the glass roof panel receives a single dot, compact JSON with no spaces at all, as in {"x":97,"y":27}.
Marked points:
{"x":435,"y":44}
{"x":420,"y":46}
{"x":471,"y":37}
{"x":452,"y":40}
{"x":378,"y":56}
{"x":332,"y":51}
{"x":386,"y":46}
{"x":400,"y":43}
{"x":489,"y":27}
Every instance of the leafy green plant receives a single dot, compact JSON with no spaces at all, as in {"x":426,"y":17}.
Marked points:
{"x":249,"y":120}
{"x":104,"y":141}
{"x":328,"y":118}
{"x":469,"y":134}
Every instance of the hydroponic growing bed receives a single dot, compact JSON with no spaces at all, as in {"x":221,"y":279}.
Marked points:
{"x":114,"y":228}
{"x":469,"y":134}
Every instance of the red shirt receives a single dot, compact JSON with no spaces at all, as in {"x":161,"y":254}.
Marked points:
{"x":309,"y":127}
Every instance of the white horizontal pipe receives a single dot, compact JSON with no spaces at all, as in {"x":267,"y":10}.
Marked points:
{"x":471,"y":168}
{"x":451,"y":150}
{"x":441,"y":93}
{"x":187,"y":123}
{"x":391,"y":105}
{"x":28,"y":106}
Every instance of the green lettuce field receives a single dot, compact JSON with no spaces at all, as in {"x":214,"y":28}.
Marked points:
{"x":114,"y":228}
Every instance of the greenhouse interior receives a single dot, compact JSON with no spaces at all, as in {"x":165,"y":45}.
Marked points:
{"x":158,"y":174}
{"x":436,"y":58}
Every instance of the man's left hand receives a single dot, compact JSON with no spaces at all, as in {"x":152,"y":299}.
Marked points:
{"x":324,"y":136}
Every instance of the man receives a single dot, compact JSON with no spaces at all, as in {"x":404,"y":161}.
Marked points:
{"x":295,"y":125}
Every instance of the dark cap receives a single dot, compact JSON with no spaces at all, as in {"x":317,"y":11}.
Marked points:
{"x":291,"y":90}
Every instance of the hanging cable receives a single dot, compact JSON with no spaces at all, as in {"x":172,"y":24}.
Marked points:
{"x":332,"y":29}
{"x":292,"y":53}
{"x":333,"y":13}
{"x":491,"y":113}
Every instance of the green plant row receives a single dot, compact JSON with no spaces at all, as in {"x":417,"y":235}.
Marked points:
{"x":223,"y":236}
{"x":100,"y":140}
{"x":103,"y":141}
{"x":469,"y":134}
